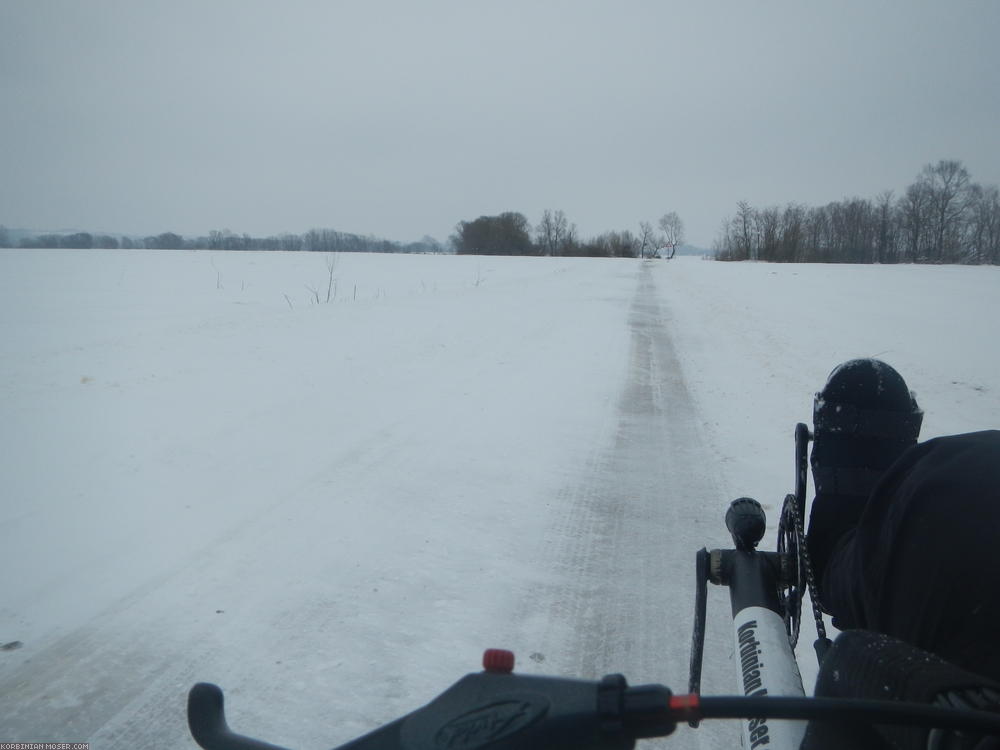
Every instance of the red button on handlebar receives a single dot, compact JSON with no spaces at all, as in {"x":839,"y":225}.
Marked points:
{"x":686,"y":706}
{"x":498,"y":660}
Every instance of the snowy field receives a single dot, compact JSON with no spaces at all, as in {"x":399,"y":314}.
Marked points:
{"x":330,"y":509}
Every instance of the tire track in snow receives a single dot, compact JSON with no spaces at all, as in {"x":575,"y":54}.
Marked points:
{"x":619,"y":596}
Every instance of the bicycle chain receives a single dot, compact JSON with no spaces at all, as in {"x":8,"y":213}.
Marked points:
{"x":810,"y":577}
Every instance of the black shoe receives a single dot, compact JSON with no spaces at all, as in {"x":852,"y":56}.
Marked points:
{"x":863,"y":420}
{"x":866,"y":665}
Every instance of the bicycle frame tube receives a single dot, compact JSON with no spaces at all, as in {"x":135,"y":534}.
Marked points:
{"x":765,"y":663}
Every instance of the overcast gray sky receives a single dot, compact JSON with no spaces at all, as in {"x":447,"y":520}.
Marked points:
{"x":401,"y":118}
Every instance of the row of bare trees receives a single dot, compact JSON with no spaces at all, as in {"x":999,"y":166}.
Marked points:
{"x":315,"y":240}
{"x":509,"y":233}
{"x":943,"y":217}
{"x":78,"y":241}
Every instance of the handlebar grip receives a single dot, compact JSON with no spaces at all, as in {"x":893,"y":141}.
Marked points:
{"x":207,"y":721}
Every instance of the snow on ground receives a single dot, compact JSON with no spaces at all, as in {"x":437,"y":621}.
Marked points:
{"x":758,"y":340}
{"x":330,"y":509}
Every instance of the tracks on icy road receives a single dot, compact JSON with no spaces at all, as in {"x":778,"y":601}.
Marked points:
{"x":622,"y":554}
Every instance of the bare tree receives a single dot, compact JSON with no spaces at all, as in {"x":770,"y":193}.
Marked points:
{"x":991,"y":217}
{"x":983,"y":231}
{"x":673,"y":231}
{"x":949,"y":186}
{"x":767,"y":226}
{"x":792,"y":233}
{"x":648,"y":241}
{"x":854,"y":226}
{"x":553,"y":232}
{"x":570,"y":243}
{"x":914,"y":209}
{"x":885,"y":235}
{"x":744,"y":225}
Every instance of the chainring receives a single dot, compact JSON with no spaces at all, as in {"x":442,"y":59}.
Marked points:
{"x":794,"y":581}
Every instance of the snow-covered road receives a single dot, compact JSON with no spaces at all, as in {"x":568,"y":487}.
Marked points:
{"x":624,"y":540}
{"x":331,"y":509}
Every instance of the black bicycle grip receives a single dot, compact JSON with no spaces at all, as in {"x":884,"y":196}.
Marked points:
{"x":207,"y":721}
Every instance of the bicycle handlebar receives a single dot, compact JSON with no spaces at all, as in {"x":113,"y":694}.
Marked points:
{"x":525,"y":712}
{"x":504,"y":710}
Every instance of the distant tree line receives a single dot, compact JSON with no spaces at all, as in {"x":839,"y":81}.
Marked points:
{"x":88,"y":241}
{"x":510,"y":233}
{"x":943,"y":217}
{"x":75,"y":241}
{"x":317,"y":240}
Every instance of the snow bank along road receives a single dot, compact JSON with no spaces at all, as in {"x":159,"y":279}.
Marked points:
{"x":331,"y":509}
